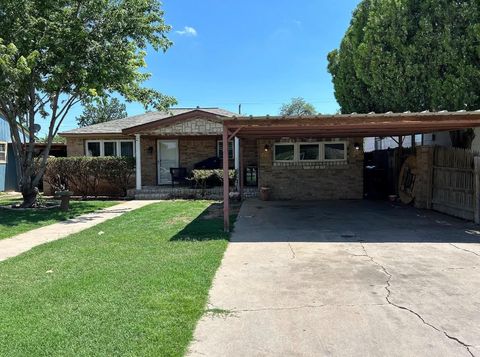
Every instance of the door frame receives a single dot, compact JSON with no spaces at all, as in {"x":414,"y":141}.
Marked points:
{"x":159,"y":161}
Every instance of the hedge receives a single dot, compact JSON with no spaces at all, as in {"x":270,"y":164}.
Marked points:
{"x":205,"y":178}
{"x":84,"y":174}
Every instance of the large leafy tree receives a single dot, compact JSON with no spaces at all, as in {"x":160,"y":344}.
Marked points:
{"x":57,"y":53}
{"x":400,"y":55}
{"x":101,"y":111}
{"x":297,"y":106}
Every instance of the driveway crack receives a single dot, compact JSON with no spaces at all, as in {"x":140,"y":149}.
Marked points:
{"x":465,"y":250}
{"x":291,"y":249}
{"x":387,"y":298}
{"x":302,"y":307}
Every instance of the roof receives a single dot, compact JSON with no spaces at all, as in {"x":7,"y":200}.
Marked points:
{"x":353,"y":125}
{"x":117,"y":126}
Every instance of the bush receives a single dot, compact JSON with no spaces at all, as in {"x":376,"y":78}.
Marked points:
{"x":207,"y":178}
{"x":84,"y":174}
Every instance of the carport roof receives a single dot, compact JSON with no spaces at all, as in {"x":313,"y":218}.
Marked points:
{"x":353,"y":125}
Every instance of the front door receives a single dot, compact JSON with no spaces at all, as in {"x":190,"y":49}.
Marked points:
{"x":167,"y":157}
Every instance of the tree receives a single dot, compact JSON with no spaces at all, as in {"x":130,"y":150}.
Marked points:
{"x":103,"y":110}
{"x":297,"y":106}
{"x":409,"y":55}
{"x":57,"y":53}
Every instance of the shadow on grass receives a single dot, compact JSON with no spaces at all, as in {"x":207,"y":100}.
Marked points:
{"x":12,"y":218}
{"x":207,"y":226}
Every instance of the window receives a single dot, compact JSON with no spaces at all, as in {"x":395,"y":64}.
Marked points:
{"x":284,"y":152}
{"x":334,"y":151}
{"x":231,"y":151}
{"x":123,"y":148}
{"x":307,"y":151}
{"x":3,"y":152}
{"x":126,"y":148}
{"x":93,"y":148}
{"x":109,"y":148}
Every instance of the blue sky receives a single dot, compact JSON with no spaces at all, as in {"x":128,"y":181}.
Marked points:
{"x":257,"y":53}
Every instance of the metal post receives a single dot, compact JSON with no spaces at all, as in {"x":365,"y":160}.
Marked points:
{"x":236,"y":146}
{"x":241,"y":170}
{"x":138,"y":162}
{"x":226,"y":191}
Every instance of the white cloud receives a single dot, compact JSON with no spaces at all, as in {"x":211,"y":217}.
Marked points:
{"x":298,"y":23}
{"x":187,"y":31}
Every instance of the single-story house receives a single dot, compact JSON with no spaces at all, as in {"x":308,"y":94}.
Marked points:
{"x":328,"y":168}
{"x":304,"y":158}
{"x":8,"y":173}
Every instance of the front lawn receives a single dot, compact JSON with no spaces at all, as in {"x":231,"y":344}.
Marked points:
{"x":132,"y":286}
{"x":16,"y":222}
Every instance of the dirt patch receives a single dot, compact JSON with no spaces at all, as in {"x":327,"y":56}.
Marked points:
{"x":216,"y":210}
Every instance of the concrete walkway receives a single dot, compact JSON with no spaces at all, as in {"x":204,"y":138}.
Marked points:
{"x":11,"y":247}
{"x":344,"y":279}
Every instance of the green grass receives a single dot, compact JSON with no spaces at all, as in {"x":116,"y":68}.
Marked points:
{"x":137,"y":289}
{"x":16,"y":222}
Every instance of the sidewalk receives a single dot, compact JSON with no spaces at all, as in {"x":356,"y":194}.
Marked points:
{"x":11,"y":247}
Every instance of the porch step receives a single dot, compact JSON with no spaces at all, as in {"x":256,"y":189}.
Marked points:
{"x":167,"y":192}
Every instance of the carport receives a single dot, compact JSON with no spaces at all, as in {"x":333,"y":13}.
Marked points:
{"x":337,"y":126}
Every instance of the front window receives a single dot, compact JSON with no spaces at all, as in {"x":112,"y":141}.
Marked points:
{"x":334,"y":151}
{"x":309,"y":152}
{"x":231,"y":151}
{"x":109,"y":148}
{"x":284,"y":152}
{"x":93,"y":149}
{"x":124,"y":148}
{"x":3,"y":152}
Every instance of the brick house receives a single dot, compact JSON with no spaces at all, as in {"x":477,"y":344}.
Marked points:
{"x":328,"y":168}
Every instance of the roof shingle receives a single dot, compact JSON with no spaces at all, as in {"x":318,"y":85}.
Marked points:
{"x":116,"y":126}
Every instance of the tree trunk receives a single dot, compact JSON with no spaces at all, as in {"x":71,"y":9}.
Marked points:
{"x":29,"y":193}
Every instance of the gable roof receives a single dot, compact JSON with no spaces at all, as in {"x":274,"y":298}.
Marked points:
{"x":117,"y":126}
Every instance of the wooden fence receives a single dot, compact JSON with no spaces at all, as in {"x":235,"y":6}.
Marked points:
{"x":454,"y":182}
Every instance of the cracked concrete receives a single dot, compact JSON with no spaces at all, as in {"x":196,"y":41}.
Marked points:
{"x":388,"y":297}
{"x":401,"y":285}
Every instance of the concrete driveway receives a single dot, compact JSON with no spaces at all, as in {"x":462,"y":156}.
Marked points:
{"x":344,"y":278}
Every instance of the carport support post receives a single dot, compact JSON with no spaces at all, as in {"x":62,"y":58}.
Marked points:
{"x":476,"y":192}
{"x":226,"y":183}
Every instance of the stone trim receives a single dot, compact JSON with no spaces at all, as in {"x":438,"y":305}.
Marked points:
{"x":320,"y":165}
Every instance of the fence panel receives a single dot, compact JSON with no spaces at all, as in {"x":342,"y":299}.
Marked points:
{"x":453,"y":182}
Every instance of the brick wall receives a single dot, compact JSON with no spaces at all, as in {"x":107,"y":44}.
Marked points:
{"x":330,"y":182}
{"x":250,"y":153}
{"x":194,"y":150}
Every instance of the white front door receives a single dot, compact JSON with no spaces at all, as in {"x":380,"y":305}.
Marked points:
{"x":167,"y":157}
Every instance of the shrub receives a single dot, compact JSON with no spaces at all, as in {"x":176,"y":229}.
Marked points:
{"x":84,"y":174}
{"x":204,"y":178}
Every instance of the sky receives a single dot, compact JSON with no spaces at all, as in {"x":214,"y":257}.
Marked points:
{"x":259,"y":54}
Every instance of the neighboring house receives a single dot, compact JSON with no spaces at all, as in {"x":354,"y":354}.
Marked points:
{"x":378,"y":143}
{"x":182,"y":138}
{"x":8,"y":173}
